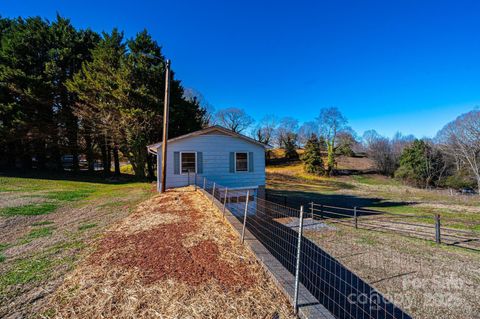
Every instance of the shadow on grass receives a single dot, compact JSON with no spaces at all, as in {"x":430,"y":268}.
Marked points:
{"x":81,"y":176}
{"x":280,"y":178}
{"x":295,"y":199}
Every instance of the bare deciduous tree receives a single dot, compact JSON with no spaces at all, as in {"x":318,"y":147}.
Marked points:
{"x":286,"y":130}
{"x":265,"y":130}
{"x":385,"y":153}
{"x":234,"y":119}
{"x":461,"y":140}
{"x":193,"y":95}
{"x":380,"y":151}
{"x":305,"y":132}
{"x":331,"y":122}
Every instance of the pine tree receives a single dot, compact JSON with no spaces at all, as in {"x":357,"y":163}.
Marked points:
{"x":97,"y":85}
{"x":312,"y":157}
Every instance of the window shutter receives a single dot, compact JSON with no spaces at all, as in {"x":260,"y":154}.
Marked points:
{"x":199,"y":163}
{"x":250,"y":161}
{"x":176,"y":163}
{"x":232,"y":162}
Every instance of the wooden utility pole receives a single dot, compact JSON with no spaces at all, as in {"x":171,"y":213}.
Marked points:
{"x":166,"y":103}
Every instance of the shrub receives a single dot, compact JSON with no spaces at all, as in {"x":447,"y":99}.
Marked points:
{"x":312,"y":157}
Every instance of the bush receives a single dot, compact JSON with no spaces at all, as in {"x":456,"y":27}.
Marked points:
{"x":458,"y":181}
{"x":421,"y":164}
{"x":290,"y":149}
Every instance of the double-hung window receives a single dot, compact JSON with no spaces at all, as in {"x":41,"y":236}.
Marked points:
{"x":241,"y":162}
{"x":188,"y":162}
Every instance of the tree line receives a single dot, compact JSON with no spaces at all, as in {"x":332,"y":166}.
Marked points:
{"x":66,"y":91}
{"x":328,"y":133}
{"x":451,"y":159}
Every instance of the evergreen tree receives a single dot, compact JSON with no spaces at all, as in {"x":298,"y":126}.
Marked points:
{"x":421,"y":164}
{"x":70,"y":48}
{"x":312,"y":157}
{"x":28,"y":128}
{"x":290,"y":146}
{"x":97,"y":86}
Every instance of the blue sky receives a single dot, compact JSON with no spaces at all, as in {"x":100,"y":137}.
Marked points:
{"x":408,"y":66}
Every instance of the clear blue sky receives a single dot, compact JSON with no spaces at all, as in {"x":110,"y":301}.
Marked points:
{"x":408,"y":66}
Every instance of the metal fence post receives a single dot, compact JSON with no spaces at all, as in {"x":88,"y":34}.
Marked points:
{"x":311,"y":209}
{"x":225,"y":200}
{"x":204,"y":182}
{"x":213,"y":192}
{"x":188,"y":178}
{"x":355,"y":216}
{"x":245,"y":216}
{"x":297,"y":267}
{"x":195,"y":181}
{"x":438,"y":238}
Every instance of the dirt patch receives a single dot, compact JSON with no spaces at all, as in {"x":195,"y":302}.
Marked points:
{"x":153,"y":240}
{"x":35,"y":263}
{"x":426,"y":280}
{"x":189,"y":267}
{"x":18,"y":199}
{"x":159,"y":253}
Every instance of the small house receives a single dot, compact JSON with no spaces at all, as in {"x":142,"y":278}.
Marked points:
{"x":218,"y":154}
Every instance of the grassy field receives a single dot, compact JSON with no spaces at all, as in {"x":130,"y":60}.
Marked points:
{"x":46,"y":225}
{"x":427,"y":280}
{"x":371,"y":191}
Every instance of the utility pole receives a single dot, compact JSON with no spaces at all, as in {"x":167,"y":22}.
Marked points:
{"x":166,"y":103}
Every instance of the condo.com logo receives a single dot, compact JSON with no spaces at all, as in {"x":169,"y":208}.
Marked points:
{"x":435,"y":292}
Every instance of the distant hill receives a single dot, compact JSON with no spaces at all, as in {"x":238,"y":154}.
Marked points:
{"x":346,"y":165}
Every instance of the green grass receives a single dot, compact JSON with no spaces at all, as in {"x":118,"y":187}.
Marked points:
{"x":40,"y":232}
{"x":66,"y":245}
{"x":86,"y":226}
{"x":57,"y":254}
{"x":25,"y":271}
{"x":375,"y":180}
{"x":42,"y":223}
{"x":3,"y":246}
{"x":70,"y":196}
{"x":29,"y":210}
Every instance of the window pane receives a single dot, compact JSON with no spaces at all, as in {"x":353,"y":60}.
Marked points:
{"x":242,"y":162}
{"x":188,"y":162}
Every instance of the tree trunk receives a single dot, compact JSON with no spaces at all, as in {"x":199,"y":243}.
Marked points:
{"x":150,"y":168}
{"x":11,"y":155}
{"x":40,"y":154}
{"x":116,"y":160}
{"x":71,"y":121}
{"x":478,"y":185}
{"x":330,"y":159}
{"x":26,"y":155}
{"x":56,"y":158}
{"x":105,"y":159}
{"x":89,"y":151}
{"x":109,"y":160}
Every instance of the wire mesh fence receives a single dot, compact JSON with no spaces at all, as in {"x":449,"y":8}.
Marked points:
{"x":279,"y":228}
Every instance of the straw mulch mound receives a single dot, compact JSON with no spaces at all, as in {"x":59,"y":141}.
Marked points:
{"x":175,"y":257}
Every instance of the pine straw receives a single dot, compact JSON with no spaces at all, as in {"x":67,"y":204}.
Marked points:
{"x":151,"y":265}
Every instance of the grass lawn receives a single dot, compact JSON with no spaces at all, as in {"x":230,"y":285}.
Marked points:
{"x":427,"y":280}
{"x":370,"y":191}
{"x":46,"y":225}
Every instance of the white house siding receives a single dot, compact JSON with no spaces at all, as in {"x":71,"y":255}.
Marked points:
{"x":216,"y":150}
